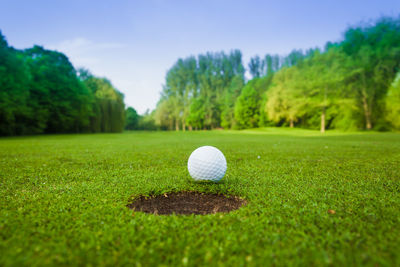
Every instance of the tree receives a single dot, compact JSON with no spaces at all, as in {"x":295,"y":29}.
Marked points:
{"x":285,"y":99}
{"x":294,"y":57}
{"x":393,"y":103}
{"x":108,"y":104}
{"x":15,"y":113}
{"x":181,"y":84}
{"x":196,"y":117}
{"x":247,"y":108}
{"x":321,"y":77}
{"x":60,"y":101}
{"x":374,"y":54}
{"x":256,"y":67}
{"x":131,"y":119}
{"x":228,"y":112}
{"x":40,"y":92}
{"x":164,"y":114}
{"x":195,"y":92}
{"x":147,"y":121}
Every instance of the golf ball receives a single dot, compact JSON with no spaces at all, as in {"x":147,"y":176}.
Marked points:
{"x":207,"y":163}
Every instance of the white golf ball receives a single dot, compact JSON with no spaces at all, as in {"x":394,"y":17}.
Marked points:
{"x":207,"y":163}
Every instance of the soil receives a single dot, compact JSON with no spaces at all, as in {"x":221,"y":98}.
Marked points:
{"x":187,"y":203}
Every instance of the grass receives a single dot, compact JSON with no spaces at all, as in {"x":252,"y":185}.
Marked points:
{"x":63,"y":199}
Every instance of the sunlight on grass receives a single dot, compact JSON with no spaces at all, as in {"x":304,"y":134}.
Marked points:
{"x":312,"y":199}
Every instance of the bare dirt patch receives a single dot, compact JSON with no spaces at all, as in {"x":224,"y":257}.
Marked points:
{"x":187,"y":203}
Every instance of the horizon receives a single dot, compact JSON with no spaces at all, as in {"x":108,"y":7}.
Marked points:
{"x":137,"y":66}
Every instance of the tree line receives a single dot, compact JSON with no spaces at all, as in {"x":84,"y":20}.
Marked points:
{"x":350,"y":84}
{"x":41,"y":92}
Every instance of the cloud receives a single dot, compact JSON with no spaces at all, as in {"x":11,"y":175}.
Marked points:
{"x":131,"y":72}
{"x":82,"y":45}
{"x":82,"y":51}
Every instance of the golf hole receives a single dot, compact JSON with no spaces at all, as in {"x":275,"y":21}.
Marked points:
{"x":186,"y":203}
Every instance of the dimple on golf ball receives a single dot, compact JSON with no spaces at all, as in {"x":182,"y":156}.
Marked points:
{"x":207,"y":163}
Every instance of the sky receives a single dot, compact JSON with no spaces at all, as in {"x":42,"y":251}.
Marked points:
{"x":134,"y":43}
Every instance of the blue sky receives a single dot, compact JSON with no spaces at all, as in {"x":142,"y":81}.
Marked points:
{"x":133,"y":43}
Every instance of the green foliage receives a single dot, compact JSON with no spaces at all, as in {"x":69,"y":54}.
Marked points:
{"x":196,"y":91}
{"x":321,"y":81}
{"x":14,"y":92}
{"x":393,"y":103}
{"x":286,"y":102}
{"x":228,"y":110}
{"x":196,"y":117}
{"x":345,"y":86}
{"x":345,"y":115}
{"x":256,"y":67}
{"x":272,"y":63}
{"x":248,"y":113}
{"x":164,"y":114}
{"x":63,"y":199}
{"x":108,"y":104}
{"x":131,"y":119}
{"x":295,"y":57}
{"x":59,"y":98}
{"x":147,"y":121}
{"x":247,"y":108}
{"x":341,"y":87}
{"x":374,"y":54}
{"x":40,"y":92}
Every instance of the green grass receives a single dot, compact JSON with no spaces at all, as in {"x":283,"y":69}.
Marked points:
{"x":63,"y":198}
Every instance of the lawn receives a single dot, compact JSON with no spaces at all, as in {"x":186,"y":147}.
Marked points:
{"x":312,"y":199}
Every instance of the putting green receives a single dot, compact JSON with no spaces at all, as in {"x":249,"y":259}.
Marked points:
{"x":312,"y":199}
